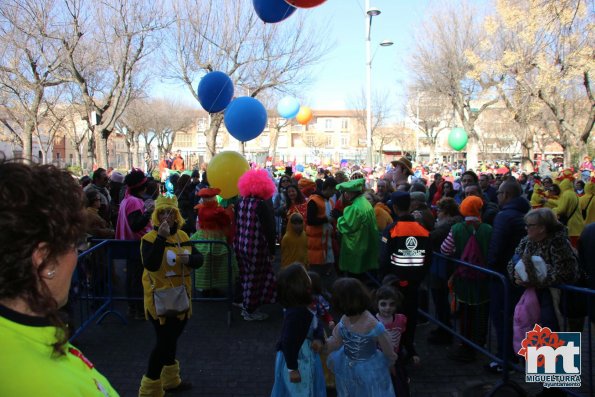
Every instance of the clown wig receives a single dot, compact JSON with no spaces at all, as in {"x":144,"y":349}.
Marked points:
{"x":256,"y":183}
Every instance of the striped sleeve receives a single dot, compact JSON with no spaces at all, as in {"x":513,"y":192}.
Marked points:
{"x":448,"y":245}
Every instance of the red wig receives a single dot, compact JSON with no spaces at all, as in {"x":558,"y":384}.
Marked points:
{"x":256,"y":183}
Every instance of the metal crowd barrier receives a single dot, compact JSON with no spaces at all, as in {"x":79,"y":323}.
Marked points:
{"x":95,"y":285}
{"x":505,"y":360}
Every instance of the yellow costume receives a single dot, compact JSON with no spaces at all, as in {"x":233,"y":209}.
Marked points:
{"x":294,"y":247}
{"x":587,"y":202}
{"x":538,"y":195}
{"x":568,"y":205}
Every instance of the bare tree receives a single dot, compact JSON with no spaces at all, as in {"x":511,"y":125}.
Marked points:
{"x":226,"y":35}
{"x":381,"y":112}
{"x":432,"y":114}
{"x":541,"y":53}
{"x":167,"y":118}
{"x":29,"y":58}
{"x":135,"y":120}
{"x":440,"y":66}
{"x":106,"y":44}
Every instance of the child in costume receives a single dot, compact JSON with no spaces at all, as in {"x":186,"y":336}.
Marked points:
{"x":321,"y":307}
{"x":214,"y":224}
{"x":298,"y":369}
{"x":388,"y":301}
{"x":587,"y":202}
{"x":168,"y":258}
{"x":360,"y":368}
{"x":539,"y":195}
{"x":294,"y":245}
{"x":567,"y":207}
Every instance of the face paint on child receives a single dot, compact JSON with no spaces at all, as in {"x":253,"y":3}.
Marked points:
{"x":387,"y":307}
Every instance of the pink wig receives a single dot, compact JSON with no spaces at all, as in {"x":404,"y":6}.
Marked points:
{"x":256,"y":183}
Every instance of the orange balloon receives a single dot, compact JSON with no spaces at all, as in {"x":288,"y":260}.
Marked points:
{"x":304,"y":115}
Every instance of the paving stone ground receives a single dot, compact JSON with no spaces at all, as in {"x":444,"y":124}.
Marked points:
{"x":239,"y":360}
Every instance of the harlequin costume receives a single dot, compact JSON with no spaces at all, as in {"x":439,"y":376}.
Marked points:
{"x":27,"y":346}
{"x":162,"y":270}
{"x":254,"y":241}
{"x":214,"y":224}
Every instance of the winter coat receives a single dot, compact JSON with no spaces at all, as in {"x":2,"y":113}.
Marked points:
{"x":507,"y":232}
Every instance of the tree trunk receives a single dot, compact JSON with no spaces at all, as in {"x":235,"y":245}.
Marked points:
{"x":432,"y":150}
{"x":216,"y":120}
{"x":472,"y":152}
{"x":136,"y":159}
{"x":101,"y":140}
{"x":128,"y":161}
{"x":527,"y":152}
{"x":79,"y":155}
{"x":273,"y":145}
{"x":91,"y":151}
{"x":567,"y":155}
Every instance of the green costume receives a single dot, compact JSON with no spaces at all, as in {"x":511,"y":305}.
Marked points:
{"x":359,"y":234}
{"x":29,"y":368}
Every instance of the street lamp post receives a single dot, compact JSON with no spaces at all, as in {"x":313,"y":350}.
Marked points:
{"x":370,"y":13}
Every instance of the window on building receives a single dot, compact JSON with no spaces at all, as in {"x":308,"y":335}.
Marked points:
{"x":344,"y":124}
{"x":202,"y":124}
{"x":329,"y":141}
{"x":344,"y":141}
{"x":328,"y":124}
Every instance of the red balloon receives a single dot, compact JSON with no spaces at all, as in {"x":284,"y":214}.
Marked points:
{"x":305,"y":3}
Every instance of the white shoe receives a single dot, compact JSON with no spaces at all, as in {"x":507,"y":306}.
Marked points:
{"x":256,"y":316}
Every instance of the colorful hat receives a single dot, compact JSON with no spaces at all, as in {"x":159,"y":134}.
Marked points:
{"x":169,"y":204}
{"x":208,"y":192}
{"x":471,"y":206}
{"x":354,"y":185}
{"x":404,"y":162}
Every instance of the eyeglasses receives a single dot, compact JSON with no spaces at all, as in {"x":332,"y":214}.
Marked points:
{"x":499,"y":192}
{"x":528,"y":225}
{"x":296,"y":221}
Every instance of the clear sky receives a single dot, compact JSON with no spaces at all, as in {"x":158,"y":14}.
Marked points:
{"x":341,"y":77}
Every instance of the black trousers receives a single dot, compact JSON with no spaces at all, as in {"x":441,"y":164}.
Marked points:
{"x":410,"y":304}
{"x":164,"y":352}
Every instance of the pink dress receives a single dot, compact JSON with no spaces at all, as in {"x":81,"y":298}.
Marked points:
{"x":128,"y":206}
{"x":395,"y":328}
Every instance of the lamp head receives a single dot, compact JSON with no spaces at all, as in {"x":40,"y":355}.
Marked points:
{"x":373,"y":12}
{"x":386,"y":43}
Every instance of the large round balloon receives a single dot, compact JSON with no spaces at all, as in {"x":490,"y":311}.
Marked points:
{"x":457,"y":138}
{"x":245,"y":118}
{"x":304,"y":115}
{"x":224,"y":171}
{"x":272,"y":11}
{"x":305,"y":3}
{"x":288,"y":107}
{"x":215,"y":91}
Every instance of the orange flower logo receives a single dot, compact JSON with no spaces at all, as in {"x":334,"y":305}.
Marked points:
{"x":539,"y":337}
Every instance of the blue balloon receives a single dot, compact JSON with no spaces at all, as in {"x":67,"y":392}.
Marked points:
{"x":215,"y":91}
{"x":272,"y":11}
{"x":245,"y":118}
{"x":288,"y":107}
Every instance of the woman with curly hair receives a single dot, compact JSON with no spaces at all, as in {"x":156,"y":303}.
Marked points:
{"x":254,"y":242}
{"x":42,"y":219}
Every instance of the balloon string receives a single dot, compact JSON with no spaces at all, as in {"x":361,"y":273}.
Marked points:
{"x":219,"y":94}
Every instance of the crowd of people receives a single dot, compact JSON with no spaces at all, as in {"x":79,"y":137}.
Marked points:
{"x":369,"y":243}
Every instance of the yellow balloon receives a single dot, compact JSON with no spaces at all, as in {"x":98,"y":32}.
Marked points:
{"x":224,"y":171}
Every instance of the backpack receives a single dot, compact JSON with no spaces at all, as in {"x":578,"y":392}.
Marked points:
{"x":472,"y":254}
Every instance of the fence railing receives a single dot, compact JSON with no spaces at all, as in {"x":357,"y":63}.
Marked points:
{"x":472,"y":293}
{"x":103,"y":277}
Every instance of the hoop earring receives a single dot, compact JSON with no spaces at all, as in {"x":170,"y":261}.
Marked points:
{"x":51,"y":274}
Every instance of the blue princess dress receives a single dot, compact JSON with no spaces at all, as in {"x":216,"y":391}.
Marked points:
{"x":294,"y":350}
{"x":360,"y":368}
